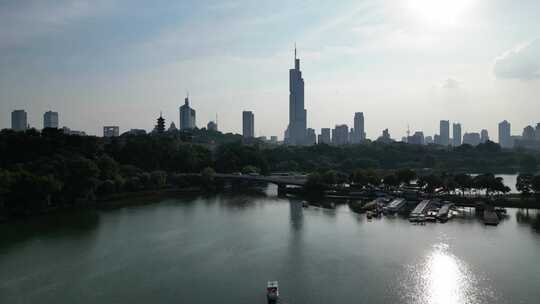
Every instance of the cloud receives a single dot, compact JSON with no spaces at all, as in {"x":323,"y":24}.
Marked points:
{"x":522,"y":62}
{"x":450,"y":84}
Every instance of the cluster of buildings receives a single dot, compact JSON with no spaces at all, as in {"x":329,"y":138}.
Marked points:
{"x":297,"y":132}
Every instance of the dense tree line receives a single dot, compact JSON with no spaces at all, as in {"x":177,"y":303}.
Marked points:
{"x":40,"y":170}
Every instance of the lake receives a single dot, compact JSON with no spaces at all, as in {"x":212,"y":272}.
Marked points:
{"x":224,"y":248}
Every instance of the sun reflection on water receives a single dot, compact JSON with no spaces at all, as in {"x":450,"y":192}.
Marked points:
{"x":442,"y":278}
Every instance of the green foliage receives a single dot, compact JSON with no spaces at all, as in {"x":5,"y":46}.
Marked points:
{"x":524,"y":183}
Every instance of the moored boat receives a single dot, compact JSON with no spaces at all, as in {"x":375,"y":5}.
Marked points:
{"x":272,"y":292}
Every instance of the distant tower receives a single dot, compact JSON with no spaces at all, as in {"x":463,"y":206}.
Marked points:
{"x":187,"y":116}
{"x":297,"y":129}
{"x":505,"y":137}
{"x":248,"y":124}
{"x":160,"y":127}
{"x":456,"y":134}
{"x":19,"y":120}
{"x":50,"y":120}
{"x":484,"y":136}
{"x":444,"y":133}
{"x":359,"y":134}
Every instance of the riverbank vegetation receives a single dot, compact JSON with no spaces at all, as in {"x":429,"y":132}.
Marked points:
{"x":47,"y":170}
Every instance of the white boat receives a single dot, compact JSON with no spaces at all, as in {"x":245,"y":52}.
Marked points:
{"x":272,"y":292}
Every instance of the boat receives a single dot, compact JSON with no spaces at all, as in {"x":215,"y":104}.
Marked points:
{"x":419,"y":212}
{"x":305,"y":204}
{"x":395,"y":206}
{"x":272,"y":292}
{"x":444,"y":213}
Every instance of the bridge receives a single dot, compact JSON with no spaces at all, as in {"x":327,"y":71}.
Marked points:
{"x":281,"y":181}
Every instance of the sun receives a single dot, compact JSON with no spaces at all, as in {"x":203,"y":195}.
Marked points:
{"x":440,"y":12}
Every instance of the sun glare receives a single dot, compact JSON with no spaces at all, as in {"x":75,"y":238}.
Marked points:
{"x":440,"y":12}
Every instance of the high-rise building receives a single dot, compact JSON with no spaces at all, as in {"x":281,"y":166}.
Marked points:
{"x":505,"y":137}
{"x":484,"y":136}
{"x":340,"y":135}
{"x":444,"y":133}
{"x":274,"y":140}
{"x":428,"y":140}
{"x":359,"y":133}
{"x":311,"y":137}
{"x":325,"y":137}
{"x":248,"y":124}
{"x":50,"y":120}
{"x":472,"y":139}
{"x":297,"y":129}
{"x":187,"y":116}
{"x":416,"y":139}
{"x":111,"y":131}
{"x":19,"y":120}
{"x":537,"y":132}
{"x":528,"y":133}
{"x":456,"y":134}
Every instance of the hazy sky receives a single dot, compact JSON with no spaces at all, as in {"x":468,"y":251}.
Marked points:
{"x":121,"y":62}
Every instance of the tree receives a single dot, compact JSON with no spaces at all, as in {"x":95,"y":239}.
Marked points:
{"x":464,"y":182}
{"x":535,"y":185}
{"x":523,"y":183}
{"x":108,"y":167}
{"x":391,"y":181}
{"x":315,"y":183}
{"x":158,"y":179}
{"x":208,"y":176}
{"x":405,"y":176}
{"x":330,"y":178}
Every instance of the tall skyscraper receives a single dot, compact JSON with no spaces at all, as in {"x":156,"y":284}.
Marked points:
{"x":187,"y":116}
{"x":456,"y":134}
{"x":359,"y":134}
{"x":248,"y":124}
{"x":311,"y":136}
{"x":505,"y":137}
{"x":484,"y":136}
{"x":50,"y":120}
{"x":296,"y":131}
{"x":528,"y":133}
{"x":19,"y":120}
{"x":444,"y":133}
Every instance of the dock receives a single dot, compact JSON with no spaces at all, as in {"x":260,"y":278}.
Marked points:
{"x":444,"y":212}
{"x":395,"y":206}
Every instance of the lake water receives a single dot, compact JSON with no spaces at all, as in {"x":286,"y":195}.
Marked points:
{"x":223,"y":249}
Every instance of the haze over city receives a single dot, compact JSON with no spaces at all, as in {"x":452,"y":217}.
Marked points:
{"x":401,"y":63}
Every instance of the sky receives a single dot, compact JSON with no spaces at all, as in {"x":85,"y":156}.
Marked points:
{"x":404,"y":63}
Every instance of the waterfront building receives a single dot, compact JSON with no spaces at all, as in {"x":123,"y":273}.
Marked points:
{"x":187,"y":116}
{"x":212,"y":126}
{"x":456,"y":134}
{"x":50,"y":120}
{"x":505,"y":137}
{"x":340,"y":135}
{"x":19,"y":120}
{"x":325,"y":137}
{"x":297,"y":129}
{"x":444,"y":132}
{"x":248,"y":124}
{"x":484,"y":136}
{"x":111,"y":131}
{"x":472,"y":139}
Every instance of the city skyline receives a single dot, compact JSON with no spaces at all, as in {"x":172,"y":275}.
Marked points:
{"x":390,"y":62}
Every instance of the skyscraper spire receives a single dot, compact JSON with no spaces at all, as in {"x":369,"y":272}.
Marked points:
{"x":295,"y":51}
